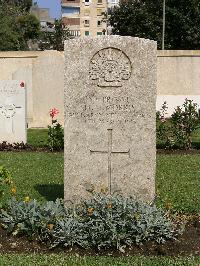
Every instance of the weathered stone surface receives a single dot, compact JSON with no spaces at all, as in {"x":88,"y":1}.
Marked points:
{"x":110,"y":106}
{"x":12,"y":111}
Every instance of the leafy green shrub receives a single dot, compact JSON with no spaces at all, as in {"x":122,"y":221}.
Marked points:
{"x":6,"y":184}
{"x":164,"y":133}
{"x":56,"y":137}
{"x":185,"y":121}
{"x":176,"y":132}
{"x":101,"y":222}
{"x":55,"y":133}
{"x":113,"y":221}
{"x":30,"y":218}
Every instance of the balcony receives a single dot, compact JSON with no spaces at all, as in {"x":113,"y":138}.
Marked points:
{"x":74,"y":33}
{"x":72,"y":3}
{"x":71,"y":22}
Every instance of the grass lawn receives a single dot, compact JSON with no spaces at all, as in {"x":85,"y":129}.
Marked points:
{"x":40,"y":175}
{"x":37,"y":137}
{"x":36,"y":174}
{"x":178,"y":182}
{"x":61,"y":259}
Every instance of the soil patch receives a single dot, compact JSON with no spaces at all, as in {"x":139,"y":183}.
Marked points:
{"x":187,"y":244}
{"x":22,"y":147}
{"x":178,"y":152}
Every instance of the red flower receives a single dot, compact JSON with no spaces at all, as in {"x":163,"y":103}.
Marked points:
{"x":53,"y":112}
{"x":22,"y":84}
{"x":163,"y":119}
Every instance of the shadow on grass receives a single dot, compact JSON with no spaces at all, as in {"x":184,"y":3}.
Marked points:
{"x":51,"y":191}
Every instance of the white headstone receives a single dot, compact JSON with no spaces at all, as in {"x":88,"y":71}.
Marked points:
{"x":12,"y":111}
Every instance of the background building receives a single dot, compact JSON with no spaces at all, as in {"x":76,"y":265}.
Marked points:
{"x":85,"y":18}
{"x":70,"y":10}
{"x":92,"y":17}
{"x":112,"y":3}
{"x":46,"y":22}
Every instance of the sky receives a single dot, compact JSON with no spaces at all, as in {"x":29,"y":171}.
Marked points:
{"x":54,"y":6}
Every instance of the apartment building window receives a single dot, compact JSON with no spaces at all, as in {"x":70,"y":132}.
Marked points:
{"x":99,"y":22}
{"x":87,"y":2}
{"x":99,"y":2}
{"x":99,"y":11}
{"x":86,"y":23}
{"x":99,"y":33}
{"x":87,"y":33}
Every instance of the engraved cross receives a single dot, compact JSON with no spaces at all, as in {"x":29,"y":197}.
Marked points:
{"x":9,"y":112}
{"x":109,"y":151}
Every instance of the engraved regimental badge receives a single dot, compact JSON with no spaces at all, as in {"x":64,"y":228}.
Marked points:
{"x":110,"y":67}
{"x":9,"y":110}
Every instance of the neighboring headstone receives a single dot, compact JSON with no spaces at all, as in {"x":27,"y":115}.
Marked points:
{"x":110,"y":108}
{"x":25,"y":73}
{"x":12,"y":111}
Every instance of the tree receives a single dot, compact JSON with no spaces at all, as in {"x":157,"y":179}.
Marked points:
{"x":9,"y":38}
{"x":29,"y":26}
{"x":22,"y":4}
{"x":54,"y":39}
{"x":16,"y":27}
{"x":143,"y":18}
